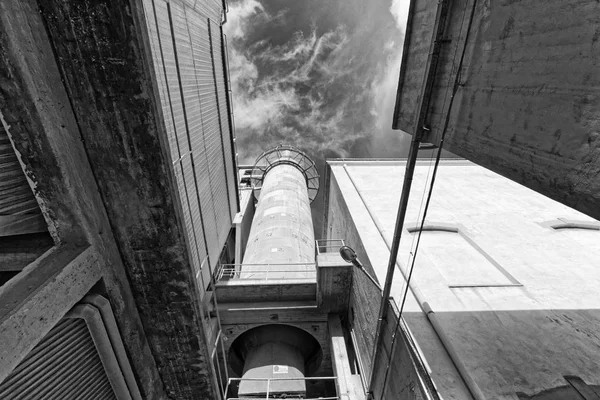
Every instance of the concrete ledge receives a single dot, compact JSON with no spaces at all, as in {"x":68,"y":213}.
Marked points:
{"x":247,"y":290}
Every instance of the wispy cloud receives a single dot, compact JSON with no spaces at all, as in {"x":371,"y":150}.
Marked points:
{"x":328,"y":88}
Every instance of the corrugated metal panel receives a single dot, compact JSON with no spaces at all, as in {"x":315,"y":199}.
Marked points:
{"x":159,"y":66}
{"x":209,"y":8}
{"x":226,"y":132}
{"x":206,"y":8}
{"x":64,"y":365}
{"x":16,"y":196}
{"x":179,"y":148}
{"x":219,"y":177}
{"x":193,"y":126}
{"x":204,"y":144}
{"x":172,"y":77}
{"x":195,"y":241}
{"x":206,"y":273}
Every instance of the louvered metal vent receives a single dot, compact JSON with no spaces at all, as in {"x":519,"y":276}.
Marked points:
{"x":16,"y":196}
{"x":81,"y":358}
{"x":64,"y":365}
{"x":188,"y":63}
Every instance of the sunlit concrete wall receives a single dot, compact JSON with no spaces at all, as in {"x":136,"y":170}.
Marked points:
{"x":527,"y":104}
{"x":516,"y":298}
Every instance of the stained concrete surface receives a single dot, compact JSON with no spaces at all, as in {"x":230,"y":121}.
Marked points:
{"x":528,"y":95}
{"x":512,"y":339}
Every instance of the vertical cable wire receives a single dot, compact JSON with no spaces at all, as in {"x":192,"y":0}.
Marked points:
{"x":437,"y":161}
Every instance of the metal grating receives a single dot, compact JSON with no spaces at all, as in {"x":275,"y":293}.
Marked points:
{"x":172,"y":74}
{"x":216,"y":153}
{"x":191,"y":84}
{"x":204,"y":144}
{"x":167,"y":64}
{"x":64,"y":365}
{"x":164,"y":64}
{"x":16,"y":196}
{"x":208,"y":8}
{"x":193,"y":128}
{"x":226,"y":130}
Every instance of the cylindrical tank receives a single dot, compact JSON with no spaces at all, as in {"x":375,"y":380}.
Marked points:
{"x":280,"y":353}
{"x":281,"y":243}
{"x":282,"y":234}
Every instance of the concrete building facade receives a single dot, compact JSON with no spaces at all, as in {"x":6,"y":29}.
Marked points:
{"x":503,"y":301}
{"x":526,"y":81}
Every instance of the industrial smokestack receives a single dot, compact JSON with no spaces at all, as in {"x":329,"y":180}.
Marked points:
{"x":281,"y":245}
{"x":285,"y":182}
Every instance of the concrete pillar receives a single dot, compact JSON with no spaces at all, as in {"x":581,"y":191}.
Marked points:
{"x":282,"y":231}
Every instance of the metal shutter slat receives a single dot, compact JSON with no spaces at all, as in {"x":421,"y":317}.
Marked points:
{"x":226,"y":132}
{"x":219,"y":177}
{"x":201,"y":144}
{"x":45,"y":365}
{"x":208,"y":8}
{"x":51,"y":346}
{"x":194,"y":129}
{"x":16,"y":196}
{"x":185,"y":179}
{"x":172,"y":77}
{"x":80,"y":388}
{"x":187,"y":213}
{"x":174,"y":117}
{"x":46,"y":374}
{"x":56,"y":378}
{"x":161,"y":80}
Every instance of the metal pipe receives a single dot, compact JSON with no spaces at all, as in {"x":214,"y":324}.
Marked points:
{"x":402,"y":207}
{"x":228,"y":101}
{"x":282,"y":230}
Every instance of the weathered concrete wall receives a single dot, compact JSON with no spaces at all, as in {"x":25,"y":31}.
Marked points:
{"x":403,"y":381}
{"x":528,"y":95}
{"x":364,"y":296}
{"x":78,"y":98}
{"x":521,"y":336}
{"x":37,"y":115}
{"x":104,"y":61}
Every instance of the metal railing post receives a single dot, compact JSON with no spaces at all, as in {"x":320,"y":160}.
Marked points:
{"x":268,"y":387}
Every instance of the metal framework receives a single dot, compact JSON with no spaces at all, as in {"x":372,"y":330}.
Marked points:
{"x":284,"y":154}
{"x":230,"y":271}
{"x":328,"y":245}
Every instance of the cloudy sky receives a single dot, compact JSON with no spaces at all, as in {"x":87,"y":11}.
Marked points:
{"x":317,"y":74}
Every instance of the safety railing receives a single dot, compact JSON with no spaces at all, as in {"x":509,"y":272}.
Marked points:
{"x":265,"y":272}
{"x":329,"y":245}
{"x":232,"y":389}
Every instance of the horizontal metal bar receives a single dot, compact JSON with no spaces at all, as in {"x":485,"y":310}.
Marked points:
{"x":259,"y":398}
{"x":267,"y":270}
{"x":484,"y":285}
{"x":246,"y":265}
{"x":317,"y":378}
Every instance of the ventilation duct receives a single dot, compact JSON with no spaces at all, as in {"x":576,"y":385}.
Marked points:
{"x":82,"y":358}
